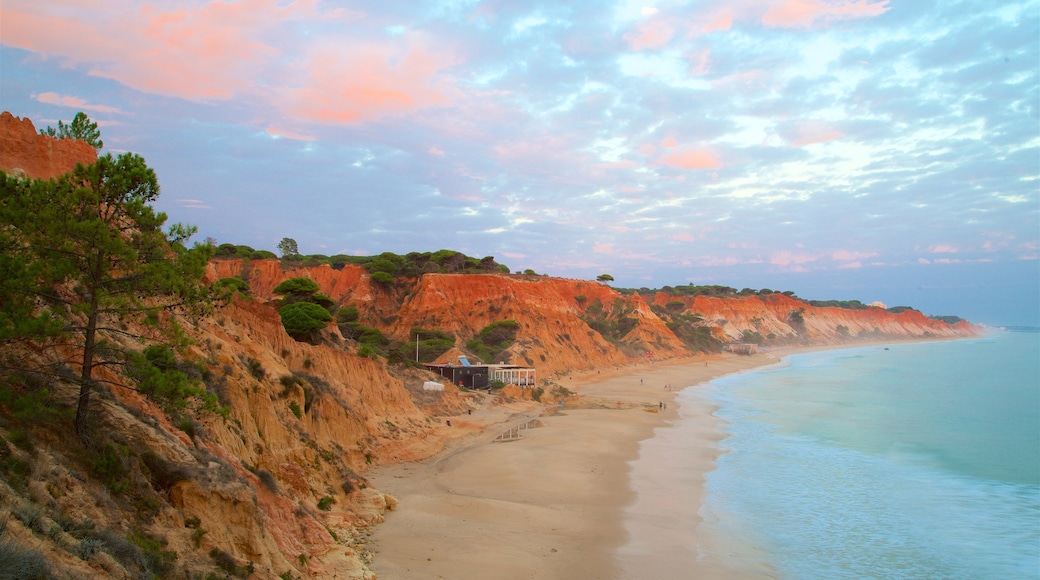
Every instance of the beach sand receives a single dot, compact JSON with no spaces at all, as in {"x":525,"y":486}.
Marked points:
{"x":560,"y":502}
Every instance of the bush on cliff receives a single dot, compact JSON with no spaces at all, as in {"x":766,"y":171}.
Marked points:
{"x":302,"y":319}
{"x":493,"y":339}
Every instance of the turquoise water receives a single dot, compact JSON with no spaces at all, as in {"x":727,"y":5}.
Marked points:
{"x":921,"y":460}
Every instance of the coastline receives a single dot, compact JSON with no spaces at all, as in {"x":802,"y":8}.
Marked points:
{"x":559,"y":502}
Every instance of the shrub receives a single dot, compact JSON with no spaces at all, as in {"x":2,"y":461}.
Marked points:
{"x":296,"y":286}
{"x":267,"y":479}
{"x":347,"y":314}
{"x":303,"y":318}
{"x":108,"y":466}
{"x":18,"y":562}
{"x":232,"y":284}
{"x":295,"y":408}
{"x":325,"y":503}
{"x":382,"y":278}
{"x":160,"y":562}
{"x":162,"y":378}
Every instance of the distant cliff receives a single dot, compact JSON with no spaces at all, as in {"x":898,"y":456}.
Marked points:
{"x":26,"y":153}
{"x":567,"y":324}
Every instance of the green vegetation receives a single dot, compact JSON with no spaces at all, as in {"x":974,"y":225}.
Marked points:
{"x":75,"y":232}
{"x":81,"y":128}
{"x":289,"y":249}
{"x":846,"y":304}
{"x":493,"y":339}
{"x":325,"y":503}
{"x":299,"y":288}
{"x":432,"y":343}
{"x":172,"y":384}
{"x":612,"y":324}
{"x":244,"y":252}
{"x":302,"y":319}
{"x":231,"y":286}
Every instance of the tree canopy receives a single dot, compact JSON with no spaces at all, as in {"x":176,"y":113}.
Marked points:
{"x":90,"y":252}
{"x":81,"y":128}
{"x":300,"y":319}
{"x":296,"y":287}
{"x":289,"y":249}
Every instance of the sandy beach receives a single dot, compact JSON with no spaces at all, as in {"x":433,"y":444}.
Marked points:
{"x":559,"y":502}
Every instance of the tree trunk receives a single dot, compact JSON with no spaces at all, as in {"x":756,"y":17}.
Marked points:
{"x":86,"y":384}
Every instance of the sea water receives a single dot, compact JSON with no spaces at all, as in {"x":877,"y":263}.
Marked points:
{"x":912,"y":460}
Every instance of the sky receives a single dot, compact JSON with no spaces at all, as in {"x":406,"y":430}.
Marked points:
{"x":877,"y":150}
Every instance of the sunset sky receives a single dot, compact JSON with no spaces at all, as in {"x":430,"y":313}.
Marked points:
{"x":843,"y":149}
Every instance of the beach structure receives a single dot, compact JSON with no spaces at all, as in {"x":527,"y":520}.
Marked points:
{"x":480,"y":376}
{"x":745,"y":348}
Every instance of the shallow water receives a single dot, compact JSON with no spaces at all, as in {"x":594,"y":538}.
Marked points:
{"x":917,"y":461}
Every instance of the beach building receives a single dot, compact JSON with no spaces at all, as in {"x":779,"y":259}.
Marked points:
{"x":746,"y":348}
{"x":480,"y":376}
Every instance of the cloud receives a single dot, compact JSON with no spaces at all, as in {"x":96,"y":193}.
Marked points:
{"x":650,"y":34}
{"x":699,"y":158}
{"x":193,"y":204}
{"x":280,"y":133}
{"x":943,"y":249}
{"x":807,"y":13}
{"x":350,"y":83}
{"x":806,"y":133}
{"x":73,"y":103}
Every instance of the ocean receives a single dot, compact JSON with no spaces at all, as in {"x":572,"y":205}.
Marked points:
{"x":911,"y":460}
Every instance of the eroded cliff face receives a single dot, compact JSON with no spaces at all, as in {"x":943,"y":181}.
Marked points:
{"x":774,"y":314}
{"x":564,"y":323}
{"x":26,"y":153}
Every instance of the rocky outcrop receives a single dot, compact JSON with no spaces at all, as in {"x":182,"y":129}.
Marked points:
{"x":26,"y":153}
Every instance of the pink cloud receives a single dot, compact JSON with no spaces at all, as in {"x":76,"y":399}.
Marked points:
{"x":811,"y":132}
{"x":349,"y":84}
{"x":434,"y":150}
{"x":202,"y":52}
{"x":275,"y":132}
{"x":700,"y":63}
{"x":806,"y":13}
{"x":669,"y":142}
{"x":602,"y":248}
{"x":791,"y":259}
{"x":73,"y":103}
{"x":721,"y":20}
{"x":220,"y":50}
{"x":650,"y":34}
{"x":943,"y":249}
{"x":691,"y":159}
{"x":850,"y":265}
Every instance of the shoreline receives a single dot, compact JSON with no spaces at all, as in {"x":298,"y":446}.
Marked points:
{"x":561,"y":501}
{"x":553,"y":504}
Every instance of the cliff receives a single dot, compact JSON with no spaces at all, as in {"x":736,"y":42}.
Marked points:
{"x":26,"y":153}
{"x":567,"y":325}
{"x":277,"y":486}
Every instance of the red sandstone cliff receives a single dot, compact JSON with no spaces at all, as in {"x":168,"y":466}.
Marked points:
{"x":556,"y":315}
{"x":26,"y":153}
